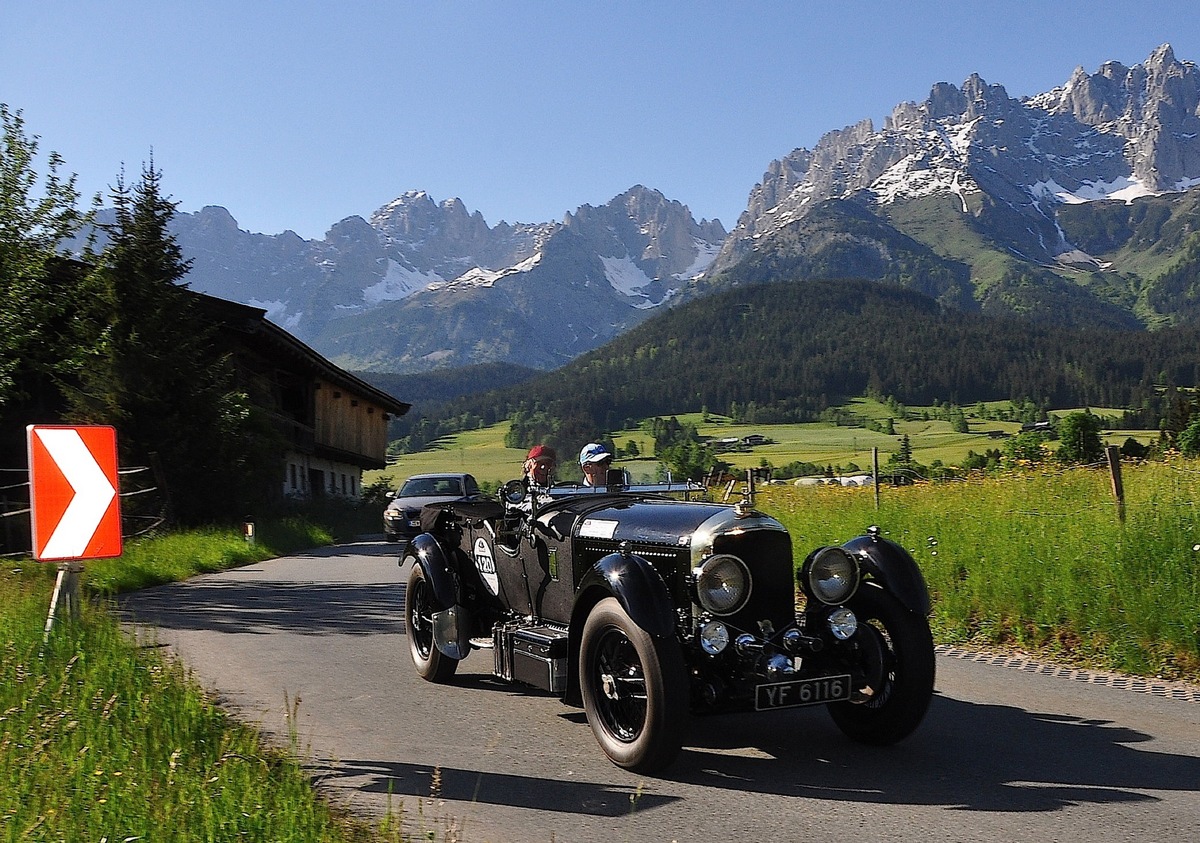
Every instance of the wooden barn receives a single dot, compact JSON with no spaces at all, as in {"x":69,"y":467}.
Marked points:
{"x":335,"y":423}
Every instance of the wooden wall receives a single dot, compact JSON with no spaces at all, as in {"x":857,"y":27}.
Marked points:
{"x":349,"y":422}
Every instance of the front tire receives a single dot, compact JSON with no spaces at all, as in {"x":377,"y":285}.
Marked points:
{"x":634,"y":689}
{"x":419,"y":606}
{"x":896,"y":649}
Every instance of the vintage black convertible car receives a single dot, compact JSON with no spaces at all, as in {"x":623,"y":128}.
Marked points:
{"x":645,"y":605}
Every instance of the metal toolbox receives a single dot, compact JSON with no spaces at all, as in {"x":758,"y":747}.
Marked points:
{"x":536,"y":656}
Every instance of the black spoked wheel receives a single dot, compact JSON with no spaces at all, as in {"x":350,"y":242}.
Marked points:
{"x":431,"y":663}
{"x":896,"y":648}
{"x":634,"y":690}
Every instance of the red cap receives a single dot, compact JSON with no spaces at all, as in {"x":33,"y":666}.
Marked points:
{"x":541,"y":452}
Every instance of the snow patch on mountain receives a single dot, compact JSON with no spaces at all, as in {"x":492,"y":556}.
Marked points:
{"x":275,"y":309}
{"x":914,"y":177}
{"x":277,"y":312}
{"x":477,"y":276}
{"x":1124,"y":189}
{"x":398,"y":283}
{"x":625,"y":276}
{"x":706,"y":253}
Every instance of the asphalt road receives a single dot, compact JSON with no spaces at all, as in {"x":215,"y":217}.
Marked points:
{"x":1004,"y":754}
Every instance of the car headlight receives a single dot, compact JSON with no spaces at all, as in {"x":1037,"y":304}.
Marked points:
{"x":722,"y":584}
{"x":714,"y":637}
{"x":832,"y":576}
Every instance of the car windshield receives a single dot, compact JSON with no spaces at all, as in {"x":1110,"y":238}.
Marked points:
{"x":421,"y":486}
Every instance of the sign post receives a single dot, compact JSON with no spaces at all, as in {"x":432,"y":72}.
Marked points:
{"x":75,"y":510}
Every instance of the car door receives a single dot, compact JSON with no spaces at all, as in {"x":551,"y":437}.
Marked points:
{"x":498,"y":558}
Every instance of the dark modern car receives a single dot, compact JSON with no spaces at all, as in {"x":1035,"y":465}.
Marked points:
{"x":644,"y":605}
{"x":402,"y":518}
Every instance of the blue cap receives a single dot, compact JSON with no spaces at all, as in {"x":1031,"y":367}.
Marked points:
{"x":594,"y":452}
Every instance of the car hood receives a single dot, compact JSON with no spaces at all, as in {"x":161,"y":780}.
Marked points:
{"x":664,"y":522}
{"x":420,"y":501}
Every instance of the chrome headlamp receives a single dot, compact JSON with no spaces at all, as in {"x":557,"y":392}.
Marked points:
{"x":722,"y":584}
{"x":714,"y":637}
{"x":831,"y":576}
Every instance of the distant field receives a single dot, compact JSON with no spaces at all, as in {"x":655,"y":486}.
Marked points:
{"x":482,"y":452}
{"x":478,"y":452}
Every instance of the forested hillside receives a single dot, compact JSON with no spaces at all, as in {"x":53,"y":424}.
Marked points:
{"x":788,"y":351}
{"x":442,"y":385}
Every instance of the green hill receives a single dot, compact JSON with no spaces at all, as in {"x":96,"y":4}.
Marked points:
{"x":792,"y":350}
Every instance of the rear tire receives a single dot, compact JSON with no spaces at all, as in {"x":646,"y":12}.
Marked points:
{"x":419,"y":607}
{"x":635,"y":689}
{"x":897,"y":650}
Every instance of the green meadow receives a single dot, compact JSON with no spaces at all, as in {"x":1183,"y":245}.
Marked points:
{"x":482,"y":452}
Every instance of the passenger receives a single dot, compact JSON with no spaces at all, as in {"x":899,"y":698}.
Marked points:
{"x":595,"y":460}
{"x":540,"y":465}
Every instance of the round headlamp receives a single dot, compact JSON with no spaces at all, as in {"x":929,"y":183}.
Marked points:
{"x":832,"y":576}
{"x":722,"y":584}
{"x":714,"y":637}
{"x":842,"y":623}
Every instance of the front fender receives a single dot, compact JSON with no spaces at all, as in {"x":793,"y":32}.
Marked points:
{"x":427,"y":551}
{"x":894,"y":568}
{"x":640,"y":591}
{"x":638,"y":588}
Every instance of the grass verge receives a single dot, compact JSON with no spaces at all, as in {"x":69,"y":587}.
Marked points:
{"x":101,"y":740}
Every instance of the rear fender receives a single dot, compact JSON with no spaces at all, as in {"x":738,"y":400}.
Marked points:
{"x":894,"y":568}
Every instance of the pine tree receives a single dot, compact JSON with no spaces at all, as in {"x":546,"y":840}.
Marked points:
{"x":1079,"y":438}
{"x":155,"y":371}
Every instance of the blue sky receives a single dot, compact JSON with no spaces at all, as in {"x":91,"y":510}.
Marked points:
{"x":294,"y":115}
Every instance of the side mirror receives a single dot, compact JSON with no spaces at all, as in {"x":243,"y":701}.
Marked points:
{"x":513,"y":492}
{"x":389,"y":495}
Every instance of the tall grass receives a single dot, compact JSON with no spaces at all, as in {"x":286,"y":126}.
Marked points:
{"x":101,"y":740}
{"x":1041,"y":561}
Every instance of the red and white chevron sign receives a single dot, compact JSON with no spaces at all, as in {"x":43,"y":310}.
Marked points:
{"x":76,"y":511}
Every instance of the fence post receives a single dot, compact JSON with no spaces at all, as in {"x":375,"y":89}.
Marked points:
{"x":875,"y":472}
{"x":1114,"y":470}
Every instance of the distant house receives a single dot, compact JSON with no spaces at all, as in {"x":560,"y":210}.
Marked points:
{"x":754,"y":439}
{"x":334,"y":424}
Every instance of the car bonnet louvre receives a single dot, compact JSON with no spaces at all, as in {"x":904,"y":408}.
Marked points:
{"x":656,"y":551}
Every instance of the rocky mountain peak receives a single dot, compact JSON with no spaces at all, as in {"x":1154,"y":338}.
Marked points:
{"x":445,"y":239}
{"x":945,"y":100}
{"x":1116,"y":133}
{"x":659,"y":235}
{"x":1154,"y":107}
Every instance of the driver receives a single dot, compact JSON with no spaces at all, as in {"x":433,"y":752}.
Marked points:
{"x":595,"y":460}
{"x":540,"y":465}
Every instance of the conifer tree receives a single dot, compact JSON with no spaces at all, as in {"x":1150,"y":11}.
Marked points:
{"x":1079,"y":438}
{"x":155,"y":371}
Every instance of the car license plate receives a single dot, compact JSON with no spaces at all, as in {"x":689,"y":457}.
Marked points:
{"x":821,"y":689}
{"x":415,"y":522}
